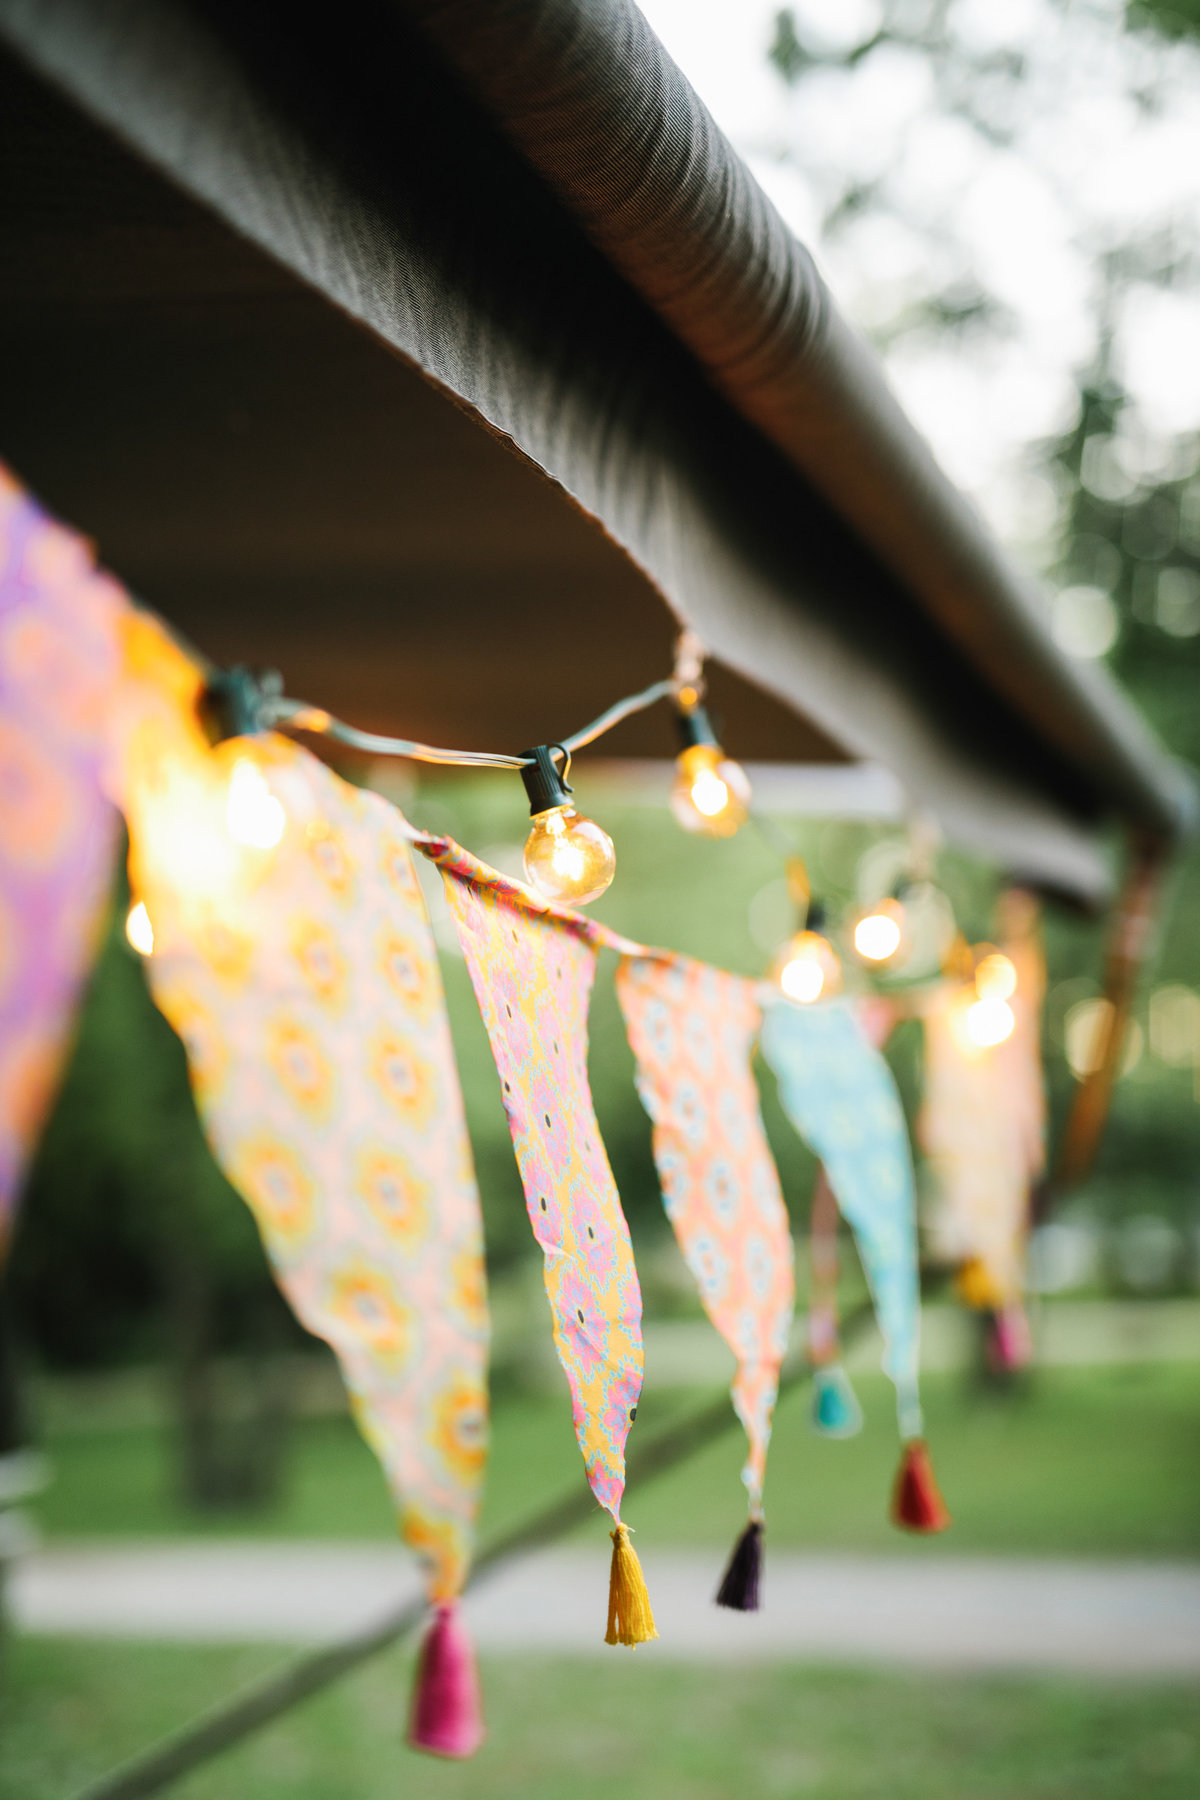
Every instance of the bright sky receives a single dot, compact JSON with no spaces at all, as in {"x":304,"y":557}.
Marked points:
{"x":1103,"y":151}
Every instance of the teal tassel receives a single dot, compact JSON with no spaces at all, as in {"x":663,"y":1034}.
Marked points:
{"x":835,"y":1408}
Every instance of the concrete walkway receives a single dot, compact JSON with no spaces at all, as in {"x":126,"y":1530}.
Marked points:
{"x":953,"y":1612}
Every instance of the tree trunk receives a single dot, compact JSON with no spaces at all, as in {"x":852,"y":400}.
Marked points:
{"x":232,"y":1413}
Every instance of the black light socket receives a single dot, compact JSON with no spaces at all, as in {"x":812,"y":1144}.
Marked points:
{"x":235,"y":701}
{"x":695,"y":727}
{"x":816,"y":916}
{"x":545,"y":783}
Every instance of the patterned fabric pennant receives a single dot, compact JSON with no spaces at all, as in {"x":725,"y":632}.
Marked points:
{"x":839,"y":1093}
{"x":974,"y":1165}
{"x":692,"y":1030}
{"x":1024,"y":1089}
{"x":824,"y":1344}
{"x":835,"y":1408}
{"x":982,"y":1128}
{"x":532,"y":967}
{"x":59,"y":657}
{"x":293,"y":956}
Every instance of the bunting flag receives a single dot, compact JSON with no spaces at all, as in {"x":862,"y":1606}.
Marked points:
{"x":839,"y":1093}
{"x":1024,"y":1088}
{"x":692,"y":1030}
{"x":59,"y":658}
{"x":292,"y":954}
{"x":835,"y":1410}
{"x":982,"y":1128}
{"x":1021,"y":1055}
{"x":532,"y":967}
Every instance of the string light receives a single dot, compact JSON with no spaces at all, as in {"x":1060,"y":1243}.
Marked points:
{"x":238,"y":703}
{"x":982,"y":1019}
{"x":995,"y":977}
{"x":710,"y":793}
{"x":569,"y":859}
{"x":989,"y":1021}
{"x":808,"y":969}
{"x":139,"y":930}
{"x":880,"y":932}
{"x":253,"y":815}
{"x":1087,"y":1030}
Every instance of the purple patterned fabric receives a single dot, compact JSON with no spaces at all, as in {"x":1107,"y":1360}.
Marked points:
{"x":58,"y":832}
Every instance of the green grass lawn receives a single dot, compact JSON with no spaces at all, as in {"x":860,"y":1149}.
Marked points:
{"x":1088,"y":1462}
{"x":592,"y":1730}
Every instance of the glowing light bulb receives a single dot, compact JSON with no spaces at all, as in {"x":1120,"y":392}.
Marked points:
{"x":808,"y":968}
{"x":253,"y":815}
{"x":802,"y":978}
{"x":139,"y":930}
{"x":989,"y":1021}
{"x":710,"y":793}
{"x":878,"y":934}
{"x":568,"y":859}
{"x":995,"y":978}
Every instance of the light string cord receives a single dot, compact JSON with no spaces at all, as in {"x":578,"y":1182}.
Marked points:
{"x":299,"y":716}
{"x":772,"y":836}
{"x":684,"y":685}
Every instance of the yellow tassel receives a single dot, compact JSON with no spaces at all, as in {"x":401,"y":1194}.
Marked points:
{"x":630,"y":1620}
{"x":976,"y":1287}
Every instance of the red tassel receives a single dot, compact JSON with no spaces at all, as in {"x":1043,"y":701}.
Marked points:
{"x":447,"y":1716}
{"x":739,"y":1584}
{"x":917,"y":1504}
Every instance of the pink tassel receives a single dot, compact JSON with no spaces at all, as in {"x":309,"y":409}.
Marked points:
{"x":1010,"y":1341}
{"x":447,"y":1717}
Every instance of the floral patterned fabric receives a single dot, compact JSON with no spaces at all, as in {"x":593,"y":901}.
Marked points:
{"x":839,"y":1093}
{"x":982,"y":1128}
{"x":532,"y":967}
{"x":824,"y":1344}
{"x":1021,"y":1054}
{"x":975,"y":1166}
{"x":692,"y":1030}
{"x":59,"y":658}
{"x":293,"y":956}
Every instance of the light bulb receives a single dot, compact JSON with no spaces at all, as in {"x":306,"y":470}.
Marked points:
{"x":807,"y":968}
{"x":139,"y":930}
{"x":710,"y":793}
{"x":995,"y":978}
{"x":878,"y":934}
{"x":568,"y":859}
{"x":253,"y":815}
{"x":989,"y":1021}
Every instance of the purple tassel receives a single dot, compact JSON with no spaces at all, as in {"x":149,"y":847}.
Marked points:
{"x":739,"y":1584}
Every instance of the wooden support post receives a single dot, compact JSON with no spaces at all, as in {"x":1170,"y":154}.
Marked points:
{"x":1129,"y":944}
